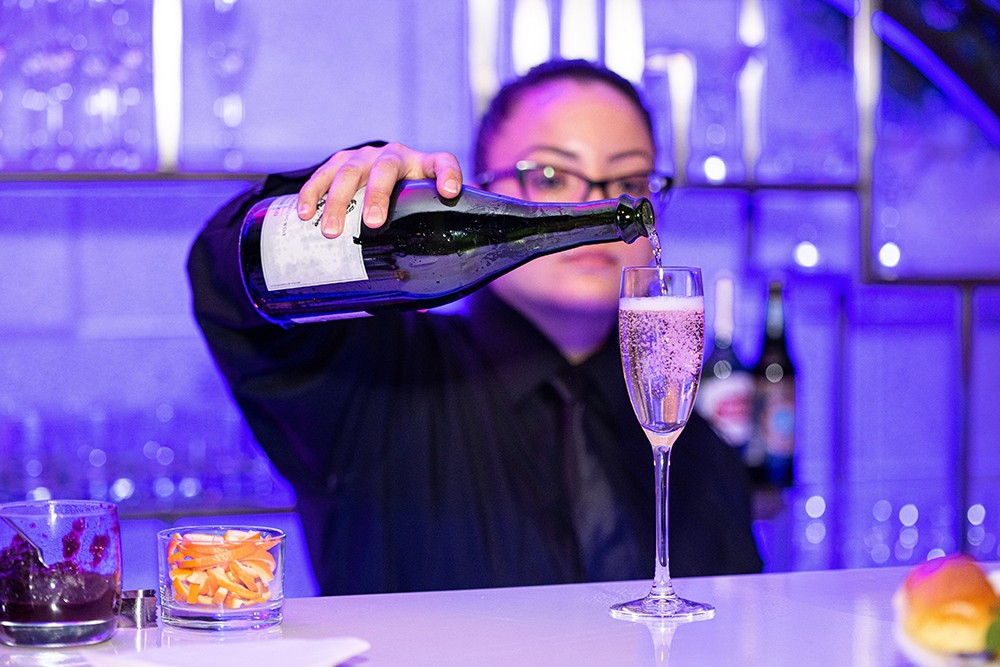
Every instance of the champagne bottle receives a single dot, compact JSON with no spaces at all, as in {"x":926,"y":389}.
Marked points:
{"x":431,"y":250}
{"x":725,"y":397}
{"x":773,"y":441}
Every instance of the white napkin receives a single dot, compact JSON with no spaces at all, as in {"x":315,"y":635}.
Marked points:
{"x":273,"y":653}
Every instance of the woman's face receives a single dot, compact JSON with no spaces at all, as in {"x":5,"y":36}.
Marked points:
{"x":592,"y":129}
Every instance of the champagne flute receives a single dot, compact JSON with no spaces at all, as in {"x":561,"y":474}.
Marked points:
{"x":661,"y":325}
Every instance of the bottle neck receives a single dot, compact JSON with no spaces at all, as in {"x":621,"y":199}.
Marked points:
{"x":626,"y":218}
{"x":774,"y":327}
{"x":724,"y":323}
{"x":634,"y":218}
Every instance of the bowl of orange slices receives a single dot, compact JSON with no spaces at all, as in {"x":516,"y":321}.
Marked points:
{"x":221,"y":577}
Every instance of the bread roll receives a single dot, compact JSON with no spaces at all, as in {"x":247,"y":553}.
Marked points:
{"x":948,"y":604}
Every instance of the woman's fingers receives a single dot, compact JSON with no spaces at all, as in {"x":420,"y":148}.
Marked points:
{"x":378,"y":169}
{"x":389,"y":167}
{"x":317,"y":187}
{"x":446,"y":170}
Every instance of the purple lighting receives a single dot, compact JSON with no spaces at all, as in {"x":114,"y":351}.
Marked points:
{"x":107,"y":389}
{"x":936,"y":71}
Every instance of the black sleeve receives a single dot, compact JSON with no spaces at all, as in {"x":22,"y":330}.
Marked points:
{"x":711,"y":513}
{"x":276,"y":375}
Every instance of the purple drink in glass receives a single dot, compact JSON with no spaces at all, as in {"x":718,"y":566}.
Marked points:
{"x":62,"y":588}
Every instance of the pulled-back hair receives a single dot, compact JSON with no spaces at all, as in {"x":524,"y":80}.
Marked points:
{"x":511,"y":92}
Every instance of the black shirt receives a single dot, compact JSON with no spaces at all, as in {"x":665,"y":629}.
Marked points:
{"x":424,"y":448}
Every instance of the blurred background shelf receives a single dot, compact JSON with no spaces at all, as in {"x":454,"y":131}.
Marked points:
{"x":848,"y":149}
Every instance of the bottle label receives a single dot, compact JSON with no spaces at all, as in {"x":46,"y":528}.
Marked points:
{"x":777,"y":418}
{"x":294,"y":252}
{"x":728,"y":405}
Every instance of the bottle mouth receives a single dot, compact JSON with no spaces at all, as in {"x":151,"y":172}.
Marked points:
{"x":636,"y":217}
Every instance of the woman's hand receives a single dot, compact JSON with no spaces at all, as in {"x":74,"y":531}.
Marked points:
{"x":378,"y":169}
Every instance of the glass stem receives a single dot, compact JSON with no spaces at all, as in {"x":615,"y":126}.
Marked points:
{"x":662,"y":588}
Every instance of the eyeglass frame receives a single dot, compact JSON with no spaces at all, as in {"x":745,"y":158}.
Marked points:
{"x":665,"y":182}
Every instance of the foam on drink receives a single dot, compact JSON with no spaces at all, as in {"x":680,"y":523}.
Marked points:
{"x":662,"y":340}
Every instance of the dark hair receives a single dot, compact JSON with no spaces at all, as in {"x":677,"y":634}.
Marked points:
{"x":576,"y":70}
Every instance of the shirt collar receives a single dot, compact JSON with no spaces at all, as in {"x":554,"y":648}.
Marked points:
{"x":524,"y":358}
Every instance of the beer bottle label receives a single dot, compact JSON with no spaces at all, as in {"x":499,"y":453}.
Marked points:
{"x":778,"y":419}
{"x":728,"y":406}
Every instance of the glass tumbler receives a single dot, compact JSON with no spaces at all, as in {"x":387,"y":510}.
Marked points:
{"x":221,"y":577}
{"x":60,"y":572}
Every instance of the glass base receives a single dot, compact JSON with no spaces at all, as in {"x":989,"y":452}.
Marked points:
{"x":57,"y":634}
{"x":654,"y":607}
{"x":216,"y":618}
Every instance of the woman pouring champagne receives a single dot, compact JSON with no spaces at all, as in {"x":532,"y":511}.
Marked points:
{"x":497,"y":446}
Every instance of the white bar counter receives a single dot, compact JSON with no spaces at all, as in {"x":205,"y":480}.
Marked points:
{"x":837,"y":618}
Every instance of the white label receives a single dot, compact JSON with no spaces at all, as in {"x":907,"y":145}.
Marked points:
{"x":294,"y":252}
{"x":728,"y":405}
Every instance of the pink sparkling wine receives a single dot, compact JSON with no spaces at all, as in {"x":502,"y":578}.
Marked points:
{"x":654,"y":241}
{"x":662,"y":340}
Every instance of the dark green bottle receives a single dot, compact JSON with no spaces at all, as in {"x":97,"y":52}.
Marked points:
{"x":772,"y":445}
{"x":431,"y":250}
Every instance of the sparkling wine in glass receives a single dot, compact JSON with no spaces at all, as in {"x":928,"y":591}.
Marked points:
{"x":661,"y":326}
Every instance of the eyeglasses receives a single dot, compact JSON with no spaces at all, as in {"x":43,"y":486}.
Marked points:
{"x":553,"y":184}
